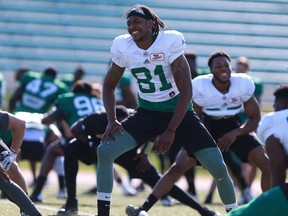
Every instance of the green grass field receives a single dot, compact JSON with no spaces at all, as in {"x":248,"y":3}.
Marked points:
{"x":87,"y":203}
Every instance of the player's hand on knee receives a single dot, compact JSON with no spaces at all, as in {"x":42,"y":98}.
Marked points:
{"x":110,"y":132}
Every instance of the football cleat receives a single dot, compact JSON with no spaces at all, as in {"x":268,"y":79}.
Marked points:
{"x":132,"y":211}
{"x":70,"y":208}
{"x":37,"y":198}
{"x":167,"y":201}
{"x":128,"y":190}
{"x":208,"y":212}
{"x":62,"y":194}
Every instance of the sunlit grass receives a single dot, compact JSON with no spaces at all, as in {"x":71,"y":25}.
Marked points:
{"x":87,"y":203}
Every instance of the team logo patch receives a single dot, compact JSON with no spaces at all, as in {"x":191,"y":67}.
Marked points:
{"x":157,"y":57}
{"x":235,"y":100}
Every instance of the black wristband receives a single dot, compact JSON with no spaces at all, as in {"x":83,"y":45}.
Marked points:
{"x":12,"y":150}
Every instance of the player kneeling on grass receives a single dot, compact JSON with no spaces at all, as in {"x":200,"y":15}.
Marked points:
{"x":9,"y":166}
{"x":17,"y":195}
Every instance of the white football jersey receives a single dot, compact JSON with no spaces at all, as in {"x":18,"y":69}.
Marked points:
{"x":151,"y":67}
{"x":274,"y":123}
{"x":215,"y":103}
{"x":35,"y":131}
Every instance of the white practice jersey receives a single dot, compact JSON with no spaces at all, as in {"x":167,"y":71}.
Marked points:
{"x":274,"y":123}
{"x":215,"y":103}
{"x":151,"y":67}
{"x":35,"y":130}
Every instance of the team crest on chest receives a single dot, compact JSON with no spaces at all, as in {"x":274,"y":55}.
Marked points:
{"x":235,"y":100}
{"x":157,"y":57}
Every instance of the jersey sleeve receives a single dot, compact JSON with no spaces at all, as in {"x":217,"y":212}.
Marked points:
{"x":60,"y":106}
{"x":178,"y":45}
{"x":62,"y":87}
{"x":117,"y":50}
{"x":26,"y":78}
{"x":197,"y":90}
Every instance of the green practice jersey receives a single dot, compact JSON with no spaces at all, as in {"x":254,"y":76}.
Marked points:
{"x":74,"y":106}
{"x":40,"y":92}
{"x":125,"y":81}
{"x":68,"y":79}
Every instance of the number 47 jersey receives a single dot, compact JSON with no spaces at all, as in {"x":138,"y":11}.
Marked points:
{"x":151,"y":67}
{"x":40,"y":92}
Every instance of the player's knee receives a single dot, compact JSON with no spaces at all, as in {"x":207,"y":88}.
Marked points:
{"x":104,"y":152}
{"x":219,"y":170}
{"x":4,"y":184}
{"x":262,"y":161}
{"x":265,"y":165}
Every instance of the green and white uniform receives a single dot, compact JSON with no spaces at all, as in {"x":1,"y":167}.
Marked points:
{"x":34,"y":140}
{"x":40,"y":92}
{"x":68,"y":79}
{"x":158,"y":97}
{"x":152,"y":68}
{"x":73,"y":106}
{"x":216,"y":104}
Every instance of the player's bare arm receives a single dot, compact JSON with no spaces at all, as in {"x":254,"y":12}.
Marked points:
{"x":18,"y":127}
{"x":181,"y":74}
{"x":197,"y":109}
{"x":15,"y":97}
{"x":253,"y":113}
{"x":50,"y":117}
{"x":277,"y":157}
{"x":111,"y":80}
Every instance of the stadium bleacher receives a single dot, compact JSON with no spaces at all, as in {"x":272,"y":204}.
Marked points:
{"x":66,"y":33}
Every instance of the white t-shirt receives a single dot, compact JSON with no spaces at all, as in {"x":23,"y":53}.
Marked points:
{"x":215,"y":103}
{"x":151,"y":67}
{"x":274,"y":123}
